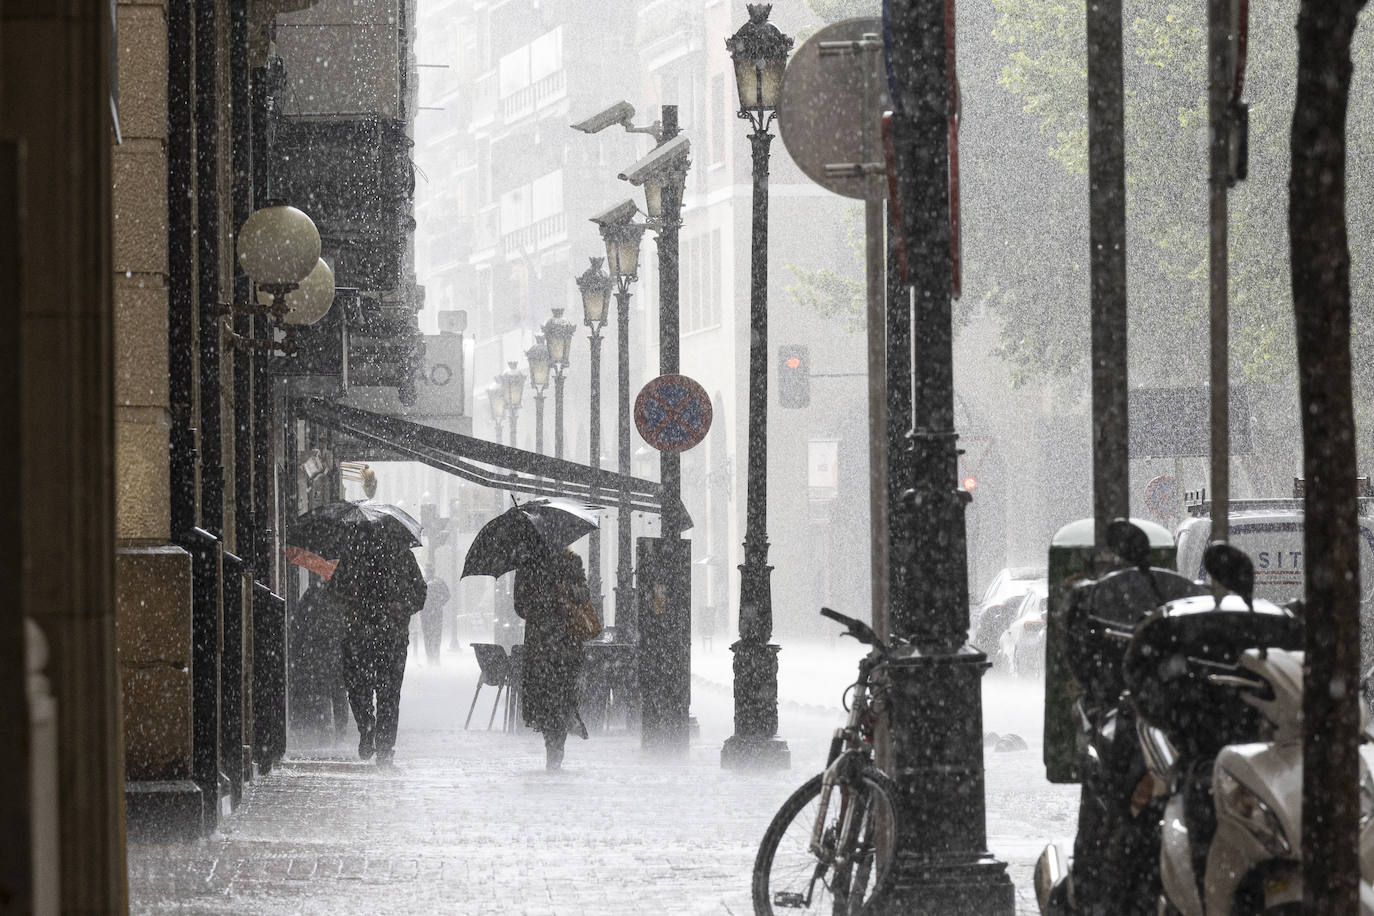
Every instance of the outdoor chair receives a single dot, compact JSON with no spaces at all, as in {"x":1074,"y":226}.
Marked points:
{"x":495,"y":668}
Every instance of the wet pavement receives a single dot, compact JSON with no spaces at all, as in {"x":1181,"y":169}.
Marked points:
{"x":470,"y":822}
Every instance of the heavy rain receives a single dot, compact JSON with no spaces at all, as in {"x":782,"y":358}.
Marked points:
{"x":868,"y":457}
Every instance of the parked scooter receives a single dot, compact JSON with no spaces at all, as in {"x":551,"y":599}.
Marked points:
{"x":1217,"y":687}
{"x":1113,"y":867}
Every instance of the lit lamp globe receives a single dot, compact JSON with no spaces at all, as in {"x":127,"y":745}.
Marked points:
{"x":496,"y":400}
{"x":278,"y":247}
{"x":513,"y":383}
{"x":539,"y":359}
{"x":759,"y":51}
{"x":559,"y":333}
{"x":310,"y":300}
{"x":653,"y":197}
{"x":595,"y":286}
{"x":622,"y":248}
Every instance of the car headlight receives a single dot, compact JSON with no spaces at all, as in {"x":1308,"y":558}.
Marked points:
{"x":1366,"y":799}
{"x":1250,"y":810}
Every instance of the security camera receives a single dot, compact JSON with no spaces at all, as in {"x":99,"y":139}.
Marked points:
{"x":621,"y":213}
{"x":621,"y":112}
{"x":661,"y":159}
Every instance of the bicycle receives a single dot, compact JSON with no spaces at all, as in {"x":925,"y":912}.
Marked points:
{"x":821,"y":856}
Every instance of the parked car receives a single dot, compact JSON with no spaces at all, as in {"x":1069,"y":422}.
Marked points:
{"x":999,"y":604}
{"x":1021,"y":649}
{"x":1271,"y":532}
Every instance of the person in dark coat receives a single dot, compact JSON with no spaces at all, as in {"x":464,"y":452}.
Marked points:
{"x":383,"y":587}
{"x":544,"y":585}
{"x":316,"y":643}
{"x":432,"y":615}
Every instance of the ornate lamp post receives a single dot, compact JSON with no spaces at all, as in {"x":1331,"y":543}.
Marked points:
{"x":513,"y":387}
{"x":760,"y":54}
{"x":622,"y":236}
{"x":558,"y":331}
{"x":538,"y":357}
{"x":595,"y":286}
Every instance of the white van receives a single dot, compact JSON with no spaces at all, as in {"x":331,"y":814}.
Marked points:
{"x":1271,"y":532}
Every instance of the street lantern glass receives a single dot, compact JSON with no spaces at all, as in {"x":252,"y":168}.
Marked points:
{"x":539,"y":359}
{"x":622,"y":249}
{"x":513,"y":382}
{"x":595,"y":286}
{"x":278,"y":245}
{"x":653,"y":197}
{"x":559,"y":333}
{"x":759,"y":51}
{"x":496,"y":400}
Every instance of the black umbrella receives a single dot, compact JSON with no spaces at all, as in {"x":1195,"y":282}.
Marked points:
{"x":329,"y":529}
{"x":524,"y":529}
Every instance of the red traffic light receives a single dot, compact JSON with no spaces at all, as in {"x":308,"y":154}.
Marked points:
{"x":970,"y":483}
{"x":793,"y":362}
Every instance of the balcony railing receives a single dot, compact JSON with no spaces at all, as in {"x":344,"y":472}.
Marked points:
{"x":534,"y":96}
{"x":536,"y":236}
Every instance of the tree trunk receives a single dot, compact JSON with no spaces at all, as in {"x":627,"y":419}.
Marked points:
{"x":1321,"y":307}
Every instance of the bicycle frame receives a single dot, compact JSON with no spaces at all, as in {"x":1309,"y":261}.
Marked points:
{"x":850,"y":750}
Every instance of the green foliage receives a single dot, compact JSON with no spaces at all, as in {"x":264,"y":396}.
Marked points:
{"x":835,"y":10}
{"x":1166,"y":162}
{"x":837,"y":295}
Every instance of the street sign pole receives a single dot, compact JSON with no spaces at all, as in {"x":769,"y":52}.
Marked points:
{"x":830,"y":118}
{"x":672,"y":413}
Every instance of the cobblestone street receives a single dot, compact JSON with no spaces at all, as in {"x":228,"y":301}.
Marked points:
{"x":471,"y":823}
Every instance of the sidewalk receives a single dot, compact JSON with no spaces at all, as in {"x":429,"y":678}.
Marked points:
{"x":471,"y":823}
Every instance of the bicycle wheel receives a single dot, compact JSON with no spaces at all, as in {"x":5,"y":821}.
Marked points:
{"x":852,"y":871}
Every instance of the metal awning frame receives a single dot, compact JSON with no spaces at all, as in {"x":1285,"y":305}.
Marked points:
{"x":485,"y":463}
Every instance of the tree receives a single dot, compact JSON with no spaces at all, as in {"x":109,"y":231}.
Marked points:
{"x":1166,"y":166}
{"x":1321,"y":307}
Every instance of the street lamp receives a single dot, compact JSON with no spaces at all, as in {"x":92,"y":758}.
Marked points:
{"x":595,"y":286}
{"x":538,"y":356}
{"x":559,"y":333}
{"x":760,"y":54}
{"x":622,"y":236}
{"x":278,"y":247}
{"x":513,"y":387}
{"x":496,"y":401}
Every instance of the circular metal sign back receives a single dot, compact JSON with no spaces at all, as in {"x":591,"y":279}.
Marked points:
{"x":830,"y":110}
{"x":673,"y":413}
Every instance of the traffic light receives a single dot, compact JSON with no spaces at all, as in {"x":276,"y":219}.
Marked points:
{"x":794,"y":376}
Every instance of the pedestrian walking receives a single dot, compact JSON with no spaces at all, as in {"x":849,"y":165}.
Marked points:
{"x":549,"y":586}
{"x":381,"y":582}
{"x":432,"y":615}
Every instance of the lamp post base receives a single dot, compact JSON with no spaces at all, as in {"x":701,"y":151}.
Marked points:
{"x":743,"y":752}
{"x":943,"y":865}
{"x":933,"y":888}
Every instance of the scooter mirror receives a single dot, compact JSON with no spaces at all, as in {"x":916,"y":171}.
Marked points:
{"x":1231,"y":568}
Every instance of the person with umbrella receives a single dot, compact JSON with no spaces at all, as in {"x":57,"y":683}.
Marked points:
{"x":380,"y":583}
{"x":551,"y":596}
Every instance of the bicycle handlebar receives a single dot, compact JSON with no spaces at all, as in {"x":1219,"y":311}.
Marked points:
{"x":856,"y":628}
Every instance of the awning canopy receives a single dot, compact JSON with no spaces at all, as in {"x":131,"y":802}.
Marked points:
{"x":488,"y":464}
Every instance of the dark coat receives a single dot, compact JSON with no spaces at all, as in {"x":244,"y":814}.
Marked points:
{"x":380,"y":579}
{"x":552,"y":659}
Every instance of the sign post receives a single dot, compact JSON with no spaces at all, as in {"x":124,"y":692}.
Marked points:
{"x":672,"y":414}
{"x":830,"y":116}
